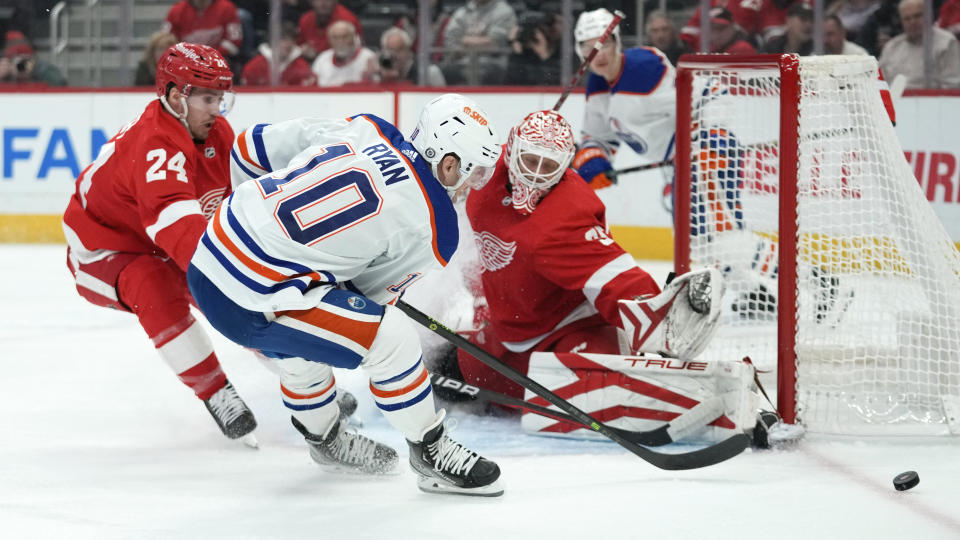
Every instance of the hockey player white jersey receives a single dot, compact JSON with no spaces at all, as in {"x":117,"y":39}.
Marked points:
{"x":351,"y":201}
{"x":637,"y":109}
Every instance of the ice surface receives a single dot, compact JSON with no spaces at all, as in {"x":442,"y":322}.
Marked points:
{"x":98,"y":440}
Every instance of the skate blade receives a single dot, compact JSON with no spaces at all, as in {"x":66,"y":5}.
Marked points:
{"x":436,"y":485}
{"x":250,"y":440}
{"x":345,"y":469}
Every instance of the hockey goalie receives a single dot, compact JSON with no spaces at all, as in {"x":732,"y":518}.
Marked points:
{"x":558,"y":299}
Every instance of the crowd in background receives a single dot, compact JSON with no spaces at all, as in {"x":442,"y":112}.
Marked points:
{"x":495,"y":42}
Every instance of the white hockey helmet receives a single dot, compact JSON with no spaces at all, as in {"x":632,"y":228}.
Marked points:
{"x":592,"y":25}
{"x":538,"y":152}
{"x":454,"y":124}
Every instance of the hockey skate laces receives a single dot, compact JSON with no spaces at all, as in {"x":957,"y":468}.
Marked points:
{"x":450,"y":455}
{"x":350,"y":447}
{"x":227,"y":404}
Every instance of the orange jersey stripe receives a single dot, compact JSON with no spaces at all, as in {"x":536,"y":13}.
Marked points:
{"x":294,"y":395}
{"x":394,"y":393}
{"x":361,"y":333}
{"x":426,"y":197}
{"x":245,"y":153}
{"x":253,"y":265}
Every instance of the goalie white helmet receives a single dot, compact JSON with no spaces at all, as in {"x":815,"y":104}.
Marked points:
{"x":454,"y":124}
{"x":592,"y":25}
{"x":538,"y":152}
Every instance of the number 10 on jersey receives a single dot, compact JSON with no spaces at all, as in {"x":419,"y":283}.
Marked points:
{"x":316,"y":208}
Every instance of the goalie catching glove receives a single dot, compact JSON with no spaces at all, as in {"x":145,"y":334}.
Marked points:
{"x":678,"y":322}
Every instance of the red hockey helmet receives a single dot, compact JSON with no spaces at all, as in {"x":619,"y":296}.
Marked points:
{"x":188,"y":64}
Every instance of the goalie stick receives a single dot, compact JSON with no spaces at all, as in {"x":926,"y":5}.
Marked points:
{"x":677,"y":429}
{"x":696,"y":459}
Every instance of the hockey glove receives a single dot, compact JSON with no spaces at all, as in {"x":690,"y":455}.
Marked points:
{"x":678,"y":322}
{"x":593,"y":166}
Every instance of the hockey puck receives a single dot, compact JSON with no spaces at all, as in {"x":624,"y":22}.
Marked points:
{"x":906,"y":480}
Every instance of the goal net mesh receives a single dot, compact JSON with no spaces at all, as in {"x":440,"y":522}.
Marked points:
{"x":877,"y":332}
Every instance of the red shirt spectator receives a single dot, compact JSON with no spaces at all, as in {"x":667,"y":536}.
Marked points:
{"x":725,"y":36}
{"x":206,"y":22}
{"x":949,"y":18}
{"x":314,"y":25}
{"x":294,"y":70}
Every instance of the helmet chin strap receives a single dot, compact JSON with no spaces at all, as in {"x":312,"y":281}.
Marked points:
{"x":182,"y":117}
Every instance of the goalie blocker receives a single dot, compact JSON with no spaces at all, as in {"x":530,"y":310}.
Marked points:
{"x":704,"y":402}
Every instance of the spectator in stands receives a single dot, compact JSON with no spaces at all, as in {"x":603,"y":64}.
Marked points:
{"x":798,"y":37}
{"x":949,"y":18}
{"x":662,"y":34}
{"x":835,"y":38}
{"x":23,"y":67}
{"x":147,"y":66}
{"x":397,"y":64}
{"x":880,"y":26}
{"x":477,"y":41}
{"x":749,"y":16}
{"x":347,"y":60}
{"x":853,"y":14}
{"x":315,"y":26}
{"x":440,"y":18}
{"x":535,"y":59}
{"x":292,"y":10}
{"x":294,"y":70}
{"x":904,"y":53}
{"x":725,"y":35}
{"x":207,"y":22}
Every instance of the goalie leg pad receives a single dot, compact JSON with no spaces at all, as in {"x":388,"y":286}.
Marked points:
{"x":679,"y":322}
{"x":702,"y":401}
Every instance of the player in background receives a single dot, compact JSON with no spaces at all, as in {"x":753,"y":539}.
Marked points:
{"x":553,"y":278}
{"x":630,"y":100}
{"x":138,"y":213}
{"x":303,"y":261}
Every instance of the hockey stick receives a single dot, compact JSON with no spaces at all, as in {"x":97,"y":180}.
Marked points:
{"x":704,"y":457}
{"x":646,"y":167}
{"x":617,"y":17}
{"x":677,"y":429}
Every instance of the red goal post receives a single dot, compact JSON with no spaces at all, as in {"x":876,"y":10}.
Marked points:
{"x":840,"y":278}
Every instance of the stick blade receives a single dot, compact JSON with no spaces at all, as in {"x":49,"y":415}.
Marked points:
{"x":704,"y":457}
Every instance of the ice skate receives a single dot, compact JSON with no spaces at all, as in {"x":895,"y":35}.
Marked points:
{"x":235,"y":419}
{"x":347,"y":451}
{"x":446,"y":466}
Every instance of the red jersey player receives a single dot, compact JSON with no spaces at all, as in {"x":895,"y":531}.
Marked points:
{"x":140,"y":209}
{"x":208,"y":22}
{"x":553,"y":278}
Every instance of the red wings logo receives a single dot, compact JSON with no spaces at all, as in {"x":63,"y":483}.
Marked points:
{"x":495,"y":254}
{"x":210,"y":201}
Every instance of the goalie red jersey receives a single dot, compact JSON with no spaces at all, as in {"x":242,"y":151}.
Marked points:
{"x":150,"y":190}
{"x":553,"y":266}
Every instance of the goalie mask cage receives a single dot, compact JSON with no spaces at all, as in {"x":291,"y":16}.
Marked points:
{"x":791,"y":181}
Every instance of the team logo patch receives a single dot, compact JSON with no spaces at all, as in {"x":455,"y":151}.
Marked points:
{"x":356,"y":302}
{"x":430,"y":153}
{"x":209,"y":151}
{"x":210,"y":201}
{"x":495,"y":254}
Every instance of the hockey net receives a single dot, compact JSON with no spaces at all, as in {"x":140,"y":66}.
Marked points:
{"x":840,"y":277}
